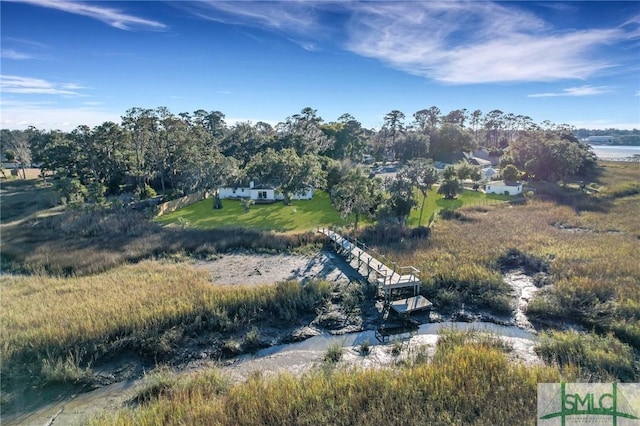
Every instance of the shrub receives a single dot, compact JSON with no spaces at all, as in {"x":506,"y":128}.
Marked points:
{"x":66,"y":371}
{"x":252,"y":339}
{"x":155,"y":384}
{"x":334,"y":352}
{"x":451,"y":214}
{"x":72,"y":191}
{"x":514,"y":258}
{"x":365,"y":347}
{"x":396,"y":347}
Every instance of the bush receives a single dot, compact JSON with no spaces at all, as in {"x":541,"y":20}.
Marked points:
{"x":514,"y":258}
{"x":65,"y":371}
{"x":72,"y":191}
{"x":365,"y":347}
{"x":451,"y":214}
{"x":334,"y":352}
{"x":252,"y":339}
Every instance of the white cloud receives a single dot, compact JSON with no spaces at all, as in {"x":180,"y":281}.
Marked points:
{"x":482,"y":42}
{"x":306,"y":45}
{"x":575,"y":91}
{"x":14,"y":54}
{"x":20,"y":115}
{"x":292,"y":16}
{"x":109,"y":16}
{"x":448,"y":41}
{"x":31,"y":86}
{"x":25,"y":42}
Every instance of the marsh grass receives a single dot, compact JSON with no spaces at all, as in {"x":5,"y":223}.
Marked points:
{"x":589,"y":256}
{"x":65,"y":370}
{"x":149,"y":307}
{"x":469,"y":382}
{"x":604,"y":356}
{"x":90,"y":241}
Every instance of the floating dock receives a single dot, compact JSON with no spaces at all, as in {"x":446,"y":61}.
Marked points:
{"x":411,"y":304}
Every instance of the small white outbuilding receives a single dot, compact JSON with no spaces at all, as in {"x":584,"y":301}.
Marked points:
{"x":503,"y":187}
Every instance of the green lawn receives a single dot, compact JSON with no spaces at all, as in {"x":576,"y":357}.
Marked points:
{"x":301,"y":215}
{"x":304,"y":215}
{"x":435,"y":202}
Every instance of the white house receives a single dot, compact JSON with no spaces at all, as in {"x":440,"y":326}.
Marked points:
{"x":503,"y":187}
{"x":260,"y":193}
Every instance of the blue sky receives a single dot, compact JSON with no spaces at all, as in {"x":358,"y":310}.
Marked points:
{"x":69,"y":63}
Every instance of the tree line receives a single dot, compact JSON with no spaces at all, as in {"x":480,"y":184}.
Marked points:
{"x":155,"y":150}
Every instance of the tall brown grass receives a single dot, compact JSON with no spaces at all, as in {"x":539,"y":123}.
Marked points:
{"x":470,"y":381}
{"x":93,"y":240}
{"x":593,"y":256}
{"x":148,"y":307}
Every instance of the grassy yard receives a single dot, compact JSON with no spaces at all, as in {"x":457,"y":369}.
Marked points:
{"x":304,"y":215}
{"x":301,"y":215}
{"x":436,"y":202}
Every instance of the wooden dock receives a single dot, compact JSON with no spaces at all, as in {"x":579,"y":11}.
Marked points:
{"x":411,"y":304}
{"x":387,"y":278}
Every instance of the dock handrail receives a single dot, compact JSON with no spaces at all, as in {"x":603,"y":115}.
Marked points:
{"x":389,"y":274}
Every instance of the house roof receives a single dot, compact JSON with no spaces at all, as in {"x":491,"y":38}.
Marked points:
{"x":504,"y":183}
{"x":479,"y":162}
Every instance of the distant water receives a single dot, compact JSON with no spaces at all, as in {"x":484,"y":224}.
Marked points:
{"x":612,"y":152}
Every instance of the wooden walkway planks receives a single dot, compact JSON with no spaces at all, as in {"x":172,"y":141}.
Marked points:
{"x":387,"y":278}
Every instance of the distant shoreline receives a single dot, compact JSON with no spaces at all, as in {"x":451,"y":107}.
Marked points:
{"x":616,"y":152}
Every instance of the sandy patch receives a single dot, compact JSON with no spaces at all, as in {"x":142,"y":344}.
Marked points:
{"x":300,"y":361}
{"x":524,"y":290}
{"x":241,"y":268}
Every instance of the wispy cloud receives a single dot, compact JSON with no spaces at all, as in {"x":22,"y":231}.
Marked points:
{"x":306,"y":45}
{"x":292,"y":16}
{"x":14,"y":54}
{"x":451,"y":42}
{"x":46,"y":115}
{"x":29,"y":85}
{"x":109,"y":16}
{"x":24,"y":42}
{"x":476,"y":42}
{"x":575,"y":91}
